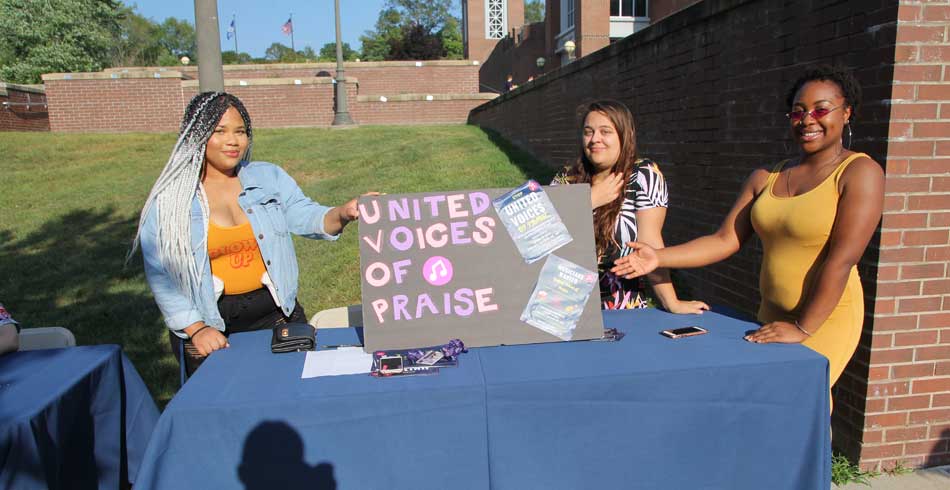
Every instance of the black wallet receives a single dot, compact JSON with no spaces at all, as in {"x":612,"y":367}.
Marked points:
{"x":293,"y":337}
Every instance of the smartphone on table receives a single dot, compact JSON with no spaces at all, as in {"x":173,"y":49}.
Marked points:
{"x":677,"y":333}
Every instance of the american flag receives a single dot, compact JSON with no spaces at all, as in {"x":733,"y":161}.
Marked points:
{"x":288,"y":27}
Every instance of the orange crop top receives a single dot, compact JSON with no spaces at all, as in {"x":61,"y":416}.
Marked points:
{"x":235,"y":257}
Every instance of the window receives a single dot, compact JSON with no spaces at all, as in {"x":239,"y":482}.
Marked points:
{"x":496,"y":25}
{"x":569,"y":12}
{"x":628,"y":8}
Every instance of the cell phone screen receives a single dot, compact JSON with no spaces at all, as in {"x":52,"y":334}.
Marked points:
{"x":390,"y":363}
{"x":686,"y":330}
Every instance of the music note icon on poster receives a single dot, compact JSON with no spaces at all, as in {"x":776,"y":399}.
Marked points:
{"x":437,"y":270}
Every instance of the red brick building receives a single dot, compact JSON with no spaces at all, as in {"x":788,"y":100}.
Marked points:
{"x":495,"y":33}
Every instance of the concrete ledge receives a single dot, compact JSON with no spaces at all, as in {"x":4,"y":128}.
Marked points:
{"x":258,"y":82}
{"x":292,"y":66}
{"x":113,"y":75}
{"x":424,"y":97}
{"x":33,"y":89}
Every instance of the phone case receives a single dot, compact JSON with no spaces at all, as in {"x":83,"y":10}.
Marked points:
{"x":670,"y":334}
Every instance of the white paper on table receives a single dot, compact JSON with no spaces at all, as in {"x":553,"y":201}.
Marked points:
{"x":335,"y":362}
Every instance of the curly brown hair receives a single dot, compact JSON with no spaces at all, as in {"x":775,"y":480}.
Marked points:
{"x":840,"y":76}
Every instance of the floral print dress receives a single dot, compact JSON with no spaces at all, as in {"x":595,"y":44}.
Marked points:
{"x":646,"y":189}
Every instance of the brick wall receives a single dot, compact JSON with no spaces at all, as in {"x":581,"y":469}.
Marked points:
{"x":908,"y":405}
{"x":415,"y":109}
{"x":135,"y":101}
{"x":154,"y":101}
{"x":375,"y":78}
{"x":707,"y":85}
{"x":515,"y":56}
{"x":23,"y":108}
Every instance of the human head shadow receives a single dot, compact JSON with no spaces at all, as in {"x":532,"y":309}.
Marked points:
{"x":71,"y":272}
{"x":273,"y":457}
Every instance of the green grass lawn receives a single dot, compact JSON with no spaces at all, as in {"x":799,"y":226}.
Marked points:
{"x":69,"y":207}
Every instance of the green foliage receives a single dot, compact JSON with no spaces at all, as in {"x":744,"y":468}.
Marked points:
{"x":178,"y":38}
{"x":92,"y":191}
{"x":453,"y":47}
{"x":844,"y":471}
{"x":306,"y":54}
{"x":138,"y":41}
{"x":413,"y":30}
{"x":49,"y":36}
{"x":376,"y":43}
{"x":232,"y":58}
{"x":328,"y":52}
{"x":280,"y":53}
{"x":533,"y":11}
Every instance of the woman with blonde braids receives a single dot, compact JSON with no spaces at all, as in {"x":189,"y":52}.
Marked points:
{"x":629,"y":199}
{"x":215,"y":232}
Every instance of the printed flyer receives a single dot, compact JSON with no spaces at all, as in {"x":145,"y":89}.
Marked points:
{"x":559,"y":297}
{"x":532,"y":221}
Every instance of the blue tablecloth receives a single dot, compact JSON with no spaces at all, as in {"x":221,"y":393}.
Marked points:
{"x":72,"y":418}
{"x":712,"y":412}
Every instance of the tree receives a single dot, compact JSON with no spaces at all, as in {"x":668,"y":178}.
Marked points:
{"x":412,"y":29}
{"x":431,"y":15}
{"x":178,"y":38}
{"x":137,"y":42}
{"x":376,"y":43}
{"x":328,"y":52}
{"x":48,"y":36}
{"x":534,"y":11}
{"x":232,"y":58}
{"x":280,"y":53}
{"x":416,"y":44}
{"x":451,"y":36}
{"x":307,"y":54}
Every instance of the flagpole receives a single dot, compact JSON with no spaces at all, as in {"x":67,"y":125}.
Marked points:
{"x":292,"y":48}
{"x":234,"y":22}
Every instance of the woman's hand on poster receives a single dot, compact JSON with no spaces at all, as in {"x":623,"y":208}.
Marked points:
{"x":640,"y":261}
{"x":777,"y":332}
{"x":351,"y":210}
{"x":606,"y":190}
{"x":688,"y":307}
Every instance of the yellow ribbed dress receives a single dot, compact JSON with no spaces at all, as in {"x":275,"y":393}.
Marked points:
{"x":794,"y":233}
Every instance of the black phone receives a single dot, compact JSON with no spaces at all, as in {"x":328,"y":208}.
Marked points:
{"x":676,"y":333}
{"x":391,"y":365}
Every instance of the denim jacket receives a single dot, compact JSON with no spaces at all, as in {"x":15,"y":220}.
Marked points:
{"x":276,"y":207}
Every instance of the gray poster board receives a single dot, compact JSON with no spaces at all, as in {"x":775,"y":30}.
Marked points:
{"x":399,"y":248}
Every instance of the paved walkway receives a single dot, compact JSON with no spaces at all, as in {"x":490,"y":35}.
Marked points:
{"x":927,"y":479}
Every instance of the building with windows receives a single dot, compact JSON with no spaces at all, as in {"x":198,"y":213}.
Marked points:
{"x":495,"y":34}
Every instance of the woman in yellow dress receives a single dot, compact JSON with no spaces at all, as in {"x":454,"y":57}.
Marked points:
{"x":815,"y":215}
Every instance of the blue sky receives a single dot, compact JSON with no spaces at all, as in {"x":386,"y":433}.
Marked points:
{"x":258,"y":23}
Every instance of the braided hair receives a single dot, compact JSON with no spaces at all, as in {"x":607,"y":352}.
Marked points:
{"x":175,"y":189}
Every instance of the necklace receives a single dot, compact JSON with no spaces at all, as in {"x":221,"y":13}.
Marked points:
{"x":788,"y":176}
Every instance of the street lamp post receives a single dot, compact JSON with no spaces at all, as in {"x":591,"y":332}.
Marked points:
{"x":341,"y":116}
{"x":569,"y":47}
{"x":210,"y":71}
{"x":540,"y":62}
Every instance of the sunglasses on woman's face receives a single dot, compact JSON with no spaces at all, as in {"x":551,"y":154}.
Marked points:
{"x":817,"y":113}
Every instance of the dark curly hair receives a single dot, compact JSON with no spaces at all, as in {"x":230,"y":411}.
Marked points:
{"x":850,"y":88}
